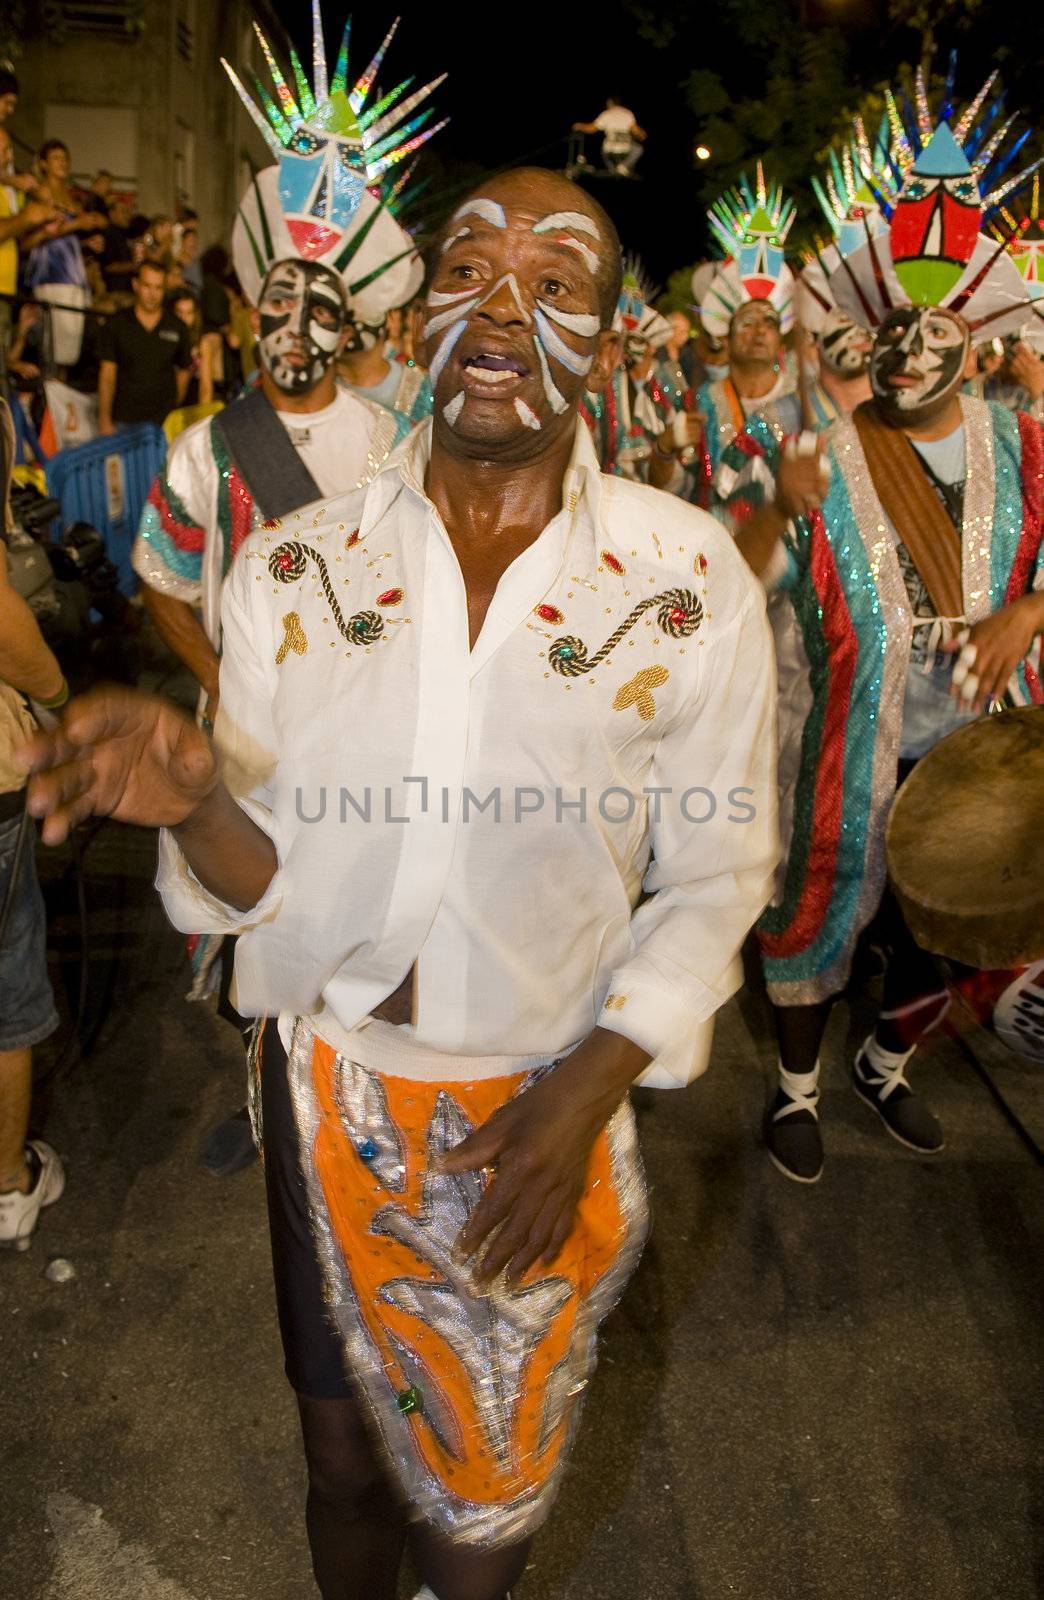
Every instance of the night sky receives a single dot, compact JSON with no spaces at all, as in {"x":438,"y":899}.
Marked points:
{"x":521,"y":74}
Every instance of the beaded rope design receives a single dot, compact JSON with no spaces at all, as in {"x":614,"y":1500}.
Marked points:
{"x":679,"y":616}
{"x":289,"y":562}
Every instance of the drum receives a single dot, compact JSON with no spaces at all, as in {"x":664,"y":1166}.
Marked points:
{"x":965,"y":843}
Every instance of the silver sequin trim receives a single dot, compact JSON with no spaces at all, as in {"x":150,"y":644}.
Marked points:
{"x":468,"y":1317}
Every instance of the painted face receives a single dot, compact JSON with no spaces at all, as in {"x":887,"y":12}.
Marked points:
{"x":635,"y":350}
{"x":363,"y":335}
{"x":917,"y":363}
{"x":754,"y":332}
{"x":513,"y":317}
{"x":844,"y":346}
{"x":936,"y":221}
{"x":303,"y":314}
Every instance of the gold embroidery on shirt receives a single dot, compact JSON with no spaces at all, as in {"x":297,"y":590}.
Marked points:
{"x":294,"y":638}
{"x":615,"y":1002}
{"x":638,"y":692}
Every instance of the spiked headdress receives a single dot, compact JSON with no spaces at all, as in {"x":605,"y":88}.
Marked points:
{"x":939,"y":185}
{"x":330,"y":198}
{"x":751,"y":225}
{"x":634,"y":313}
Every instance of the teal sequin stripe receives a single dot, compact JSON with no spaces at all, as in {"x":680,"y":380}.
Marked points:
{"x":185,"y":564}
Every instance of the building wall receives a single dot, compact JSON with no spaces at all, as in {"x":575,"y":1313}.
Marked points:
{"x":173,"y":119}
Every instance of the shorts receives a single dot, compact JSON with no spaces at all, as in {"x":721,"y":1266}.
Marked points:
{"x":27,"y":1011}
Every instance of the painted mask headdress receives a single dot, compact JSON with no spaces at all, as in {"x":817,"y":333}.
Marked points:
{"x":330,"y":199}
{"x":938,"y":188}
{"x":1023,"y":231}
{"x":751,"y":225}
{"x":635,"y":317}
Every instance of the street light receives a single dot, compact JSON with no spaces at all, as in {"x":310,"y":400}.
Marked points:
{"x":702,"y":152}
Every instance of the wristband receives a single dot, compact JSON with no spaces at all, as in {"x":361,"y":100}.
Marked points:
{"x":55,"y":701}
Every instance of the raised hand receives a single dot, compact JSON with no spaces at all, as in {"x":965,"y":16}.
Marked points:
{"x":117,"y":753}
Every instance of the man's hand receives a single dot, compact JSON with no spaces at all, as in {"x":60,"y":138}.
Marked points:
{"x":118,"y":754}
{"x":990,"y":650}
{"x":1027,"y":369}
{"x":803,"y":477}
{"x":540,"y":1146}
{"x":37,"y":214}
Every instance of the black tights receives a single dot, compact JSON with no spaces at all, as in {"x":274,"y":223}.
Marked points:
{"x":911,"y":974}
{"x":357,"y":1527}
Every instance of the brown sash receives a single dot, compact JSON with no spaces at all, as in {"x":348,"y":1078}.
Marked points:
{"x":913,"y":508}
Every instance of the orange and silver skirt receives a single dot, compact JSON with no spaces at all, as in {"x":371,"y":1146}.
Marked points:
{"x":475,"y":1393}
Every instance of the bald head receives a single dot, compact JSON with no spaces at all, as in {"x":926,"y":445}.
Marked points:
{"x":557,"y":208}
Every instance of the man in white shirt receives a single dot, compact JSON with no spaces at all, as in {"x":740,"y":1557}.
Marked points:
{"x":622,"y":138}
{"x":468,"y":737}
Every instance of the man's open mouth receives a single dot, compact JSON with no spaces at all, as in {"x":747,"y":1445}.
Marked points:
{"x":485,"y":367}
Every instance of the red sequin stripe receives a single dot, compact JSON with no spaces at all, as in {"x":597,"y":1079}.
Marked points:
{"x":610,"y":427}
{"x":748,"y":445}
{"x":241,"y":505}
{"x":1032,"y":467}
{"x":843,"y":654}
{"x":186,"y":535}
{"x":741,"y":510}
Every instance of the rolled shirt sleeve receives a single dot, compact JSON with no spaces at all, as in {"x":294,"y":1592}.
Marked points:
{"x":715,"y":846}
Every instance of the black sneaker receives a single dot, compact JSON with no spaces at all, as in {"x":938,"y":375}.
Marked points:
{"x":792,"y":1136}
{"x":903,"y":1112}
{"x":229,"y":1148}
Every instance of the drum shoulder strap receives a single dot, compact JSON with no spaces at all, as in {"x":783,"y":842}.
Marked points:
{"x":913,"y":508}
{"x":265,"y":457}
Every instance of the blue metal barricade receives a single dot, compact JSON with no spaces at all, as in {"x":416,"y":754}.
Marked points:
{"x":105,"y":482}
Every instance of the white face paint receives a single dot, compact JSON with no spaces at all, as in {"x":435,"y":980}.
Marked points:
{"x":451,"y":313}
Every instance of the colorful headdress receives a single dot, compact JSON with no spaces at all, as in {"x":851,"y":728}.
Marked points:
{"x":634,"y":314}
{"x":751,"y":226}
{"x":1023,"y":231}
{"x":329,"y":199}
{"x":853,"y":211}
{"x":938,"y":186}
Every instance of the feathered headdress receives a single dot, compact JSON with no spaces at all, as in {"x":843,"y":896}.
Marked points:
{"x":329,"y":199}
{"x":634,"y":313}
{"x":939,"y":186}
{"x":751,"y":225}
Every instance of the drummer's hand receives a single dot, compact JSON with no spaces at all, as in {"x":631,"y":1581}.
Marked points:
{"x":540,"y":1146}
{"x":116,"y":753}
{"x":990,"y":650}
{"x":803,"y":476}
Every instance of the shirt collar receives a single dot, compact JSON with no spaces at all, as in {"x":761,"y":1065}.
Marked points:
{"x":407,"y":467}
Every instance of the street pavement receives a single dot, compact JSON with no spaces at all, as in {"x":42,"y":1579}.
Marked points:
{"x":805,"y":1393}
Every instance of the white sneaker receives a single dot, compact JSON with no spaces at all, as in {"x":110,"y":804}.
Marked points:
{"x":19,"y":1213}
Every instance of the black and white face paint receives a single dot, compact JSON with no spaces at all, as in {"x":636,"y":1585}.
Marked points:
{"x":303,"y":314}
{"x":844,"y":346}
{"x":917,"y":363}
{"x":363,"y":335}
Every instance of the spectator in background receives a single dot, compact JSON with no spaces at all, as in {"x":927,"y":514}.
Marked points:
{"x":55,"y":271}
{"x":215,"y":266}
{"x":159,"y":241}
{"x":31,"y":1175}
{"x":622,"y":138}
{"x":99,"y":196}
{"x":678,"y":350}
{"x":117,"y":258}
{"x":239,"y":349}
{"x":145,"y":358}
{"x":188,"y":259}
{"x":18,"y":216}
{"x":183,"y":305}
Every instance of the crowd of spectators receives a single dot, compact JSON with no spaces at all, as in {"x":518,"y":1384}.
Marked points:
{"x":98,"y":296}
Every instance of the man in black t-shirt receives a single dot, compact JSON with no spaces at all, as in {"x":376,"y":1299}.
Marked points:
{"x":145,"y":358}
